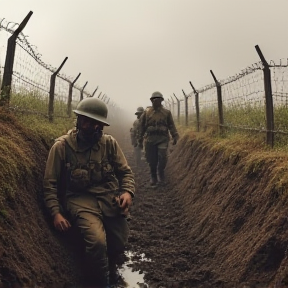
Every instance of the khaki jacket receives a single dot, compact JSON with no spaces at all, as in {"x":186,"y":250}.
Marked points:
{"x":155,"y":126}
{"x":100,"y":170}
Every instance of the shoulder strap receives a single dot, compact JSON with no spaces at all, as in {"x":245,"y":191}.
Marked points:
{"x":63,"y":141}
{"x":105,"y":148}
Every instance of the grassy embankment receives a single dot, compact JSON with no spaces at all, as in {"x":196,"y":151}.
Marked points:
{"x":22,"y":136}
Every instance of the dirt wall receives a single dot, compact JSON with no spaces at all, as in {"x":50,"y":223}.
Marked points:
{"x":219,"y":220}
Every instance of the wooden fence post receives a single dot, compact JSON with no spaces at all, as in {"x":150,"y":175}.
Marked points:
{"x":172,"y":106}
{"x":94,"y":92}
{"x":220,"y":104}
{"x":82,"y":91}
{"x":268,"y":98}
{"x":9,"y":63}
{"x":52,"y":91}
{"x":69,"y":103}
{"x":186,"y":108}
{"x":178,"y":108}
{"x":196,"y":106}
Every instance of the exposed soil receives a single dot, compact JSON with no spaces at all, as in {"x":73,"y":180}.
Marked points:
{"x":213,"y":223}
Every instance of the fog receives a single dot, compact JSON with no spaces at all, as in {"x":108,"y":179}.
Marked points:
{"x":131,"y":48}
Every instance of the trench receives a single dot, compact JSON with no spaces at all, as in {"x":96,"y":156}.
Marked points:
{"x":211,"y":224}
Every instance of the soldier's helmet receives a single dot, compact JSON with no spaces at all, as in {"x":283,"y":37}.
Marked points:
{"x":140,"y":110}
{"x":93,"y":108}
{"x":157,"y":94}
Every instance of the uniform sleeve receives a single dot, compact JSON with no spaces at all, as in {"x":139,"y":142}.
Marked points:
{"x":172,"y":127}
{"x":52,"y":178}
{"x":122,"y":170}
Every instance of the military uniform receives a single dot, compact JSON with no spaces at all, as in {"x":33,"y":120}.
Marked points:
{"x":90,"y":178}
{"x":134,"y":133}
{"x":134,"y":136}
{"x":155,"y":125}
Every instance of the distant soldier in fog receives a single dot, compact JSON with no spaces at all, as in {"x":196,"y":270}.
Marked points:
{"x":134,"y":132}
{"x":155,"y":124}
{"x":89,"y":185}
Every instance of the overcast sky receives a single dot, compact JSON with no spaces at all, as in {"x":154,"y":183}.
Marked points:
{"x":131,"y":48}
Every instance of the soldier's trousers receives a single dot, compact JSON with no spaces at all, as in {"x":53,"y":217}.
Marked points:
{"x":156,"y":156}
{"x":137,"y":155}
{"x":103,"y":236}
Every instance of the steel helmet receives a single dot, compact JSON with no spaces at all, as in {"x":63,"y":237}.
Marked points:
{"x":140,"y":110}
{"x":93,"y":108}
{"x":157,"y":94}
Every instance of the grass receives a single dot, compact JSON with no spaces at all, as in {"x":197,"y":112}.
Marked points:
{"x":20,"y":138}
{"x":247,"y":120}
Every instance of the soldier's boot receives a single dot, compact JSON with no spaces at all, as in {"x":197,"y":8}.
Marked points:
{"x":161,"y":176}
{"x":153,"y":180}
{"x":115,"y":278}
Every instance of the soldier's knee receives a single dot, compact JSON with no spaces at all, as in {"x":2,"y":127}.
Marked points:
{"x":96,"y":246}
{"x":94,"y":237}
{"x":162,"y":153}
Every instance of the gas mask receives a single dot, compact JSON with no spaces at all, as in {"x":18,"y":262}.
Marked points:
{"x":89,"y":133}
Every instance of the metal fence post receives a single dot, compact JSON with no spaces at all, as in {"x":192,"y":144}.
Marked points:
{"x":69,"y":106}
{"x":178,"y":108}
{"x":219,"y":100}
{"x":9,"y":62}
{"x":94,"y":92}
{"x":268,"y":98}
{"x":52,"y":90}
{"x":196,"y":106}
{"x":82,"y":91}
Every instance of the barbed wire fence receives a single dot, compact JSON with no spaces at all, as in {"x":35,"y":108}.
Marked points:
{"x":262,"y":87}
{"x":256,"y":99}
{"x":30,"y":89}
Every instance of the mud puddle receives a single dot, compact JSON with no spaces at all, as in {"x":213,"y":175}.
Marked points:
{"x":130,"y":278}
{"x":133,"y":279}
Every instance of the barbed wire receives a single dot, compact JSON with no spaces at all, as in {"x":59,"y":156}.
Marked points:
{"x":32,"y":51}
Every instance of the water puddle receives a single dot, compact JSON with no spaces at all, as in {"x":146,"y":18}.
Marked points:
{"x":133,"y":279}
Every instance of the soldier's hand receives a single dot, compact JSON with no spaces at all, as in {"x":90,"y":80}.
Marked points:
{"x":60,"y":223}
{"x":125,"y":202}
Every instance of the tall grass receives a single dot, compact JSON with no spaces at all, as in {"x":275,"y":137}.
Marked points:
{"x":247,"y":120}
{"x":37,"y":102}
